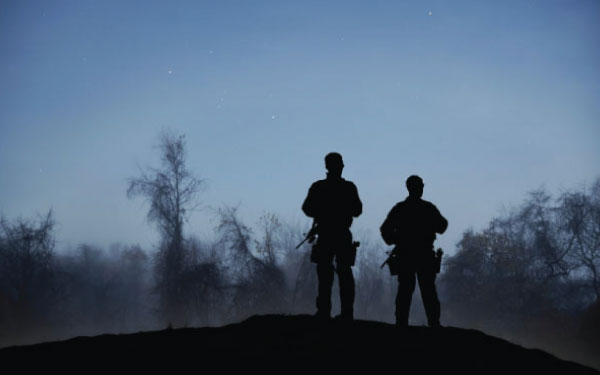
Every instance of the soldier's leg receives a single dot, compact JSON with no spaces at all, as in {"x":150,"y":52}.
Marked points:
{"x":325,"y":278}
{"x":346,"y":280}
{"x":426,"y":275}
{"x":406,"y":287}
{"x":344,"y":264}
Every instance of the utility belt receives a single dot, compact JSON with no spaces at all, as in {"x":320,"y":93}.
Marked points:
{"x":403,"y":259}
{"x":336,"y":244}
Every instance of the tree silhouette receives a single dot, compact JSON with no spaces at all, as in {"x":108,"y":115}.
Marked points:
{"x":27,"y":284}
{"x":171,"y":191}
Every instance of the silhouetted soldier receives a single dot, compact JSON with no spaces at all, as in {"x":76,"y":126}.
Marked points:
{"x":411,"y":225}
{"x":332,"y":203}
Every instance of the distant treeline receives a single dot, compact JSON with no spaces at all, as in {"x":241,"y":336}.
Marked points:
{"x":532,"y":275}
{"x":47,"y":293}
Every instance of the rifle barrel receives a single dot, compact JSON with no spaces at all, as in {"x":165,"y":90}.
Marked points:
{"x":301,"y":243}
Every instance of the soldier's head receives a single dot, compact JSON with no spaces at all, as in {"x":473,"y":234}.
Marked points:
{"x":334,"y":164}
{"x":414,"y":184}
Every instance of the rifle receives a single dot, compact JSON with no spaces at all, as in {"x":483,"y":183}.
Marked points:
{"x":389,"y":258}
{"x":310,"y":236}
{"x":393,"y":261}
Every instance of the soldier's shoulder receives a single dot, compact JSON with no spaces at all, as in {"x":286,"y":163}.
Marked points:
{"x":317,"y":184}
{"x":428,"y":204}
{"x":398,"y":206}
{"x":350,"y":184}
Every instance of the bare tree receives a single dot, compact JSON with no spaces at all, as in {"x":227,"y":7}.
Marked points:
{"x":533,"y":266}
{"x":269,"y":246}
{"x":580,"y":219}
{"x":203,"y":284}
{"x":171,"y":190}
{"x":371,"y":300}
{"x":300,"y":272}
{"x":27,"y":288}
{"x":259,"y":284}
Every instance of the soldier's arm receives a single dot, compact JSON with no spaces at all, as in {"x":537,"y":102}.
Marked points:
{"x":310,"y":205}
{"x":441,"y":224}
{"x":387,"y":229}
{"x":356,"y":206}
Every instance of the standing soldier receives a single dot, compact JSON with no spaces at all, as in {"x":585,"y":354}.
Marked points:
{"x":333,"y":202}
{"x":411,"y":225}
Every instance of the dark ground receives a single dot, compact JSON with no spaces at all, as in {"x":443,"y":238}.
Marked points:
{"x":290,"y":343}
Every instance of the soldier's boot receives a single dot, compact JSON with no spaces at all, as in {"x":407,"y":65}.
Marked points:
{"x":325,"y":278}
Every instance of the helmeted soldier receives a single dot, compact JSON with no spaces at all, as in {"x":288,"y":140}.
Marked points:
{"x":333,"y":202}
{"x":412,"y":225}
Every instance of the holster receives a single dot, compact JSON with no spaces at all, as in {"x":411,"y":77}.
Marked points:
{"x":347,"y":256}
{"x":438,"y":260}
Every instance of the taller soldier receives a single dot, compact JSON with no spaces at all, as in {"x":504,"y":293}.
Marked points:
{"x":333,"y":202}
{"x":412,"y":225}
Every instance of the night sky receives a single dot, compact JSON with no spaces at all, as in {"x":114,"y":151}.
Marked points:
{"x":484,"y":100}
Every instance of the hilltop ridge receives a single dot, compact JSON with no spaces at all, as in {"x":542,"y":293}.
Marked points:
{"x":280,"y":342}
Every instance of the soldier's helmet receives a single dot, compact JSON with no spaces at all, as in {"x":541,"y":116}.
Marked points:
{"x":333,"y":161}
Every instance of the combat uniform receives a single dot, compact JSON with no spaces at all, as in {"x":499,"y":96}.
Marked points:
{"x":412,"y":225}
{"x":333,"y":202}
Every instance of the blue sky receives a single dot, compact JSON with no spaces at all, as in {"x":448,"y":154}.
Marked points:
{"x":485,"y":100}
